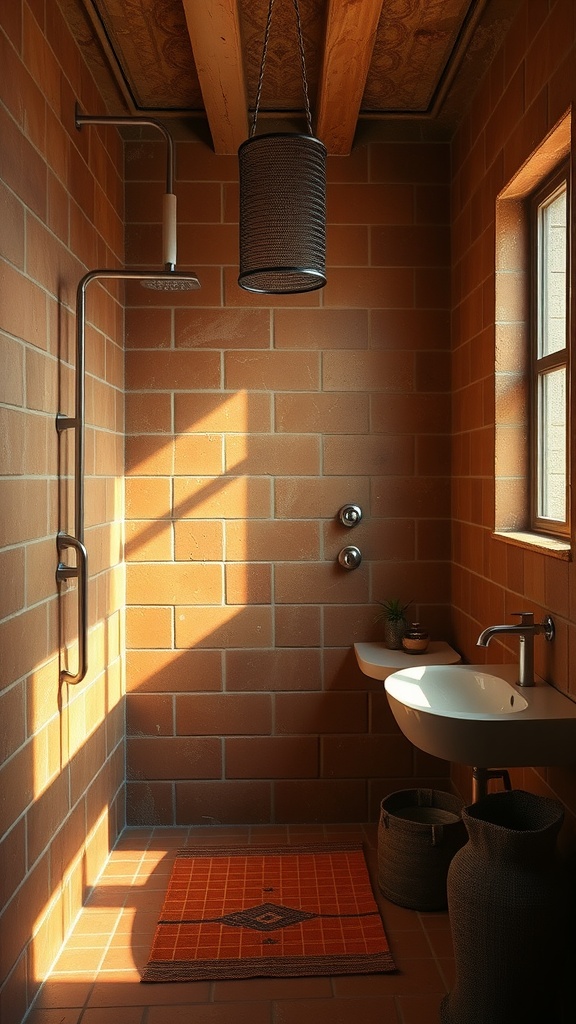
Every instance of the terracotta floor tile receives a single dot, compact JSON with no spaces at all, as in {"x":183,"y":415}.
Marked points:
{"x":88,"y":940}
{"x":109,"y":1015}
{"x":62,"y":993}
{"x":420,"y":1009}
{"x":125,"y":958}
{"x":95,"y":920}
{"x":408,"y":944}
{"x":51,"y":1016}
{"x":440,"y":940}
{"x":78,"y":961}
{"x":129,"y":939}
{"x":150,"y":871}
{"x":337,"y":1011}
{"x":245,"y":1013}
{"x":128,"y":976}
{"x":272,"y":989}
{"x":447,"y":971}
{"x":131,"y":992}
{"x":416,"y":975}
{"x":397,"y":919}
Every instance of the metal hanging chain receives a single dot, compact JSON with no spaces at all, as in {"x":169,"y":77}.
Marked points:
{"x":263,"y":65}
{"x":303,"y":61}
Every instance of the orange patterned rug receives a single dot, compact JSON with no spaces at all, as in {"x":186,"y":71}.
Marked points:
{"x":278,"y":911}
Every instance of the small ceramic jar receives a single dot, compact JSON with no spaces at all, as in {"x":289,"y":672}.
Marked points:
{"x":415,"y":639}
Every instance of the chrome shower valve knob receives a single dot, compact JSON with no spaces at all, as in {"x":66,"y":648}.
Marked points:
{"x":350,"y":557}
{"x":350,"y":515}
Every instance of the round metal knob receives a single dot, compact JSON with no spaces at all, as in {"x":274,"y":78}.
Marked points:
{"x":350,"y":557}
{"x":350,"y":515}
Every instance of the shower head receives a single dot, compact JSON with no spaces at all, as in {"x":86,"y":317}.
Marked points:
{"x":170,"y":281}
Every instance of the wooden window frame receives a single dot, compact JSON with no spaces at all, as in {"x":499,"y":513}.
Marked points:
{"x":513,"y":326}
{"x":541,"y":365}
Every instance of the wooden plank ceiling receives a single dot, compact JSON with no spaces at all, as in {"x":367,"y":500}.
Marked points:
{"x":367,"y":61}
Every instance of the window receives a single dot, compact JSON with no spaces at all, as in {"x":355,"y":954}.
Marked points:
{"x":532,"y":350}
{"x":549,"y":365}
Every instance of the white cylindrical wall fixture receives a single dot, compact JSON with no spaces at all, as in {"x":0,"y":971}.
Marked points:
{"x":169,"y":230}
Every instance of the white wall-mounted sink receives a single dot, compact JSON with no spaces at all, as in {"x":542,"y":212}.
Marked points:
{"x":476,"y":715}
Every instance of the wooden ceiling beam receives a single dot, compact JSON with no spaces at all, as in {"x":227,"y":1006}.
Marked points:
{"x":351,"y":27}
{"x":214,"y":30}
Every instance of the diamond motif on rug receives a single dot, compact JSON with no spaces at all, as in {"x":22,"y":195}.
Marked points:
{"x":268,"y":917}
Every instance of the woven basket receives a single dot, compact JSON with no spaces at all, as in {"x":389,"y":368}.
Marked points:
{"x":420,"y":830}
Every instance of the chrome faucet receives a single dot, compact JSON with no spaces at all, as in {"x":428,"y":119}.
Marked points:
{"x":526,"y":630}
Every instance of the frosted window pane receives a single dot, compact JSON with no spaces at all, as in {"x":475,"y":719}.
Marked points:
{"x":552,"y":333}
{"x":552,"y":454}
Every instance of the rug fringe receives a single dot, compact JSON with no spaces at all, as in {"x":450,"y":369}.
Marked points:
{"x":257,"y":850}
{"x":232,"y":970}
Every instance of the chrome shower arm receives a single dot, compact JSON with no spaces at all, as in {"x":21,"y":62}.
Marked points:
{"x":169,"y":200}
{"x":81,"y":119}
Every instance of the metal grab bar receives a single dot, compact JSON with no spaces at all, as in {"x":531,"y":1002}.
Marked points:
{"x":80,"y":572}
{"x":76,"y":423}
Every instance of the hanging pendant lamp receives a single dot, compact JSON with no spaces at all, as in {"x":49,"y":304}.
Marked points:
{"x":282,"y":201}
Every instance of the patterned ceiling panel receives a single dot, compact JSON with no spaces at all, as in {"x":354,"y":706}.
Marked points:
{"x":151,"y":44}
{"x":413,"y":47}
{"x":175,"y":58}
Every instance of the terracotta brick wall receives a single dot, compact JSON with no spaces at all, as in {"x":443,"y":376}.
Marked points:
{"x":249,"y":421}
{"x":528,"y":89}
{"x":61,"y":750}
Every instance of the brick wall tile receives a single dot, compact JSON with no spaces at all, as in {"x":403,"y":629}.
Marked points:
{"x":266,"y":757}
{"x":198,"y":540}
{"x":282,"y":371}
{"x":223,"y":803}
{"x":272,"y":455}
{"x":222,"y":328}
{"x":162,"y":371}
{"x":332,"y":413}
{"x":173,"y":582}
{"x":366,"y":757}
{"x":248,"y":583}
{"x":322,"y":713}
{"x":149,"y":627}
{"x":158,"y":671}
{"x":230,"y":497}
{"x":368,"y":371}
{"x":320,"y":328}
{"x":246,"y":714}
{"x":222,"y":627}
{"x":159,"y":758}
{"x":320,"y":800}
{"x":272,"y":540}
{"x":223,"y":411}
{"x":291,"y":669}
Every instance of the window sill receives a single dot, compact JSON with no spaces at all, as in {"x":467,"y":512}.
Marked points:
{"x":554,"y":546}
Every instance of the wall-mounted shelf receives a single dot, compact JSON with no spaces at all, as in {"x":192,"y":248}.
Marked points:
{"x":378,"y":661}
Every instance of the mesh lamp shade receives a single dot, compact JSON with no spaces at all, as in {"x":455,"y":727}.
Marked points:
{"x":282,"y":213}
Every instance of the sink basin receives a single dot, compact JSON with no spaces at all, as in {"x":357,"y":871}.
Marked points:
{"x":477,"y":715}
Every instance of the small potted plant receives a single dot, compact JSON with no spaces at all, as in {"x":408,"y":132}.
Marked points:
{"x":395,"y":623}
